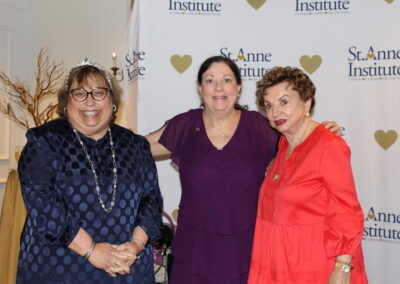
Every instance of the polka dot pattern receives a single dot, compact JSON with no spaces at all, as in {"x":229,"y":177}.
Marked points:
{"x":58,"y":188}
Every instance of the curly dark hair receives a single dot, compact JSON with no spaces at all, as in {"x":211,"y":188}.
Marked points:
{"x":299,"y":81}
{"x":80,"y":74}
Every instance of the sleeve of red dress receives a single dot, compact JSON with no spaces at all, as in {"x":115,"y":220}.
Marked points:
{"x":344,"y":221}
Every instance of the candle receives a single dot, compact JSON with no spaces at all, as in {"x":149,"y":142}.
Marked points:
{"x":114,"y":59}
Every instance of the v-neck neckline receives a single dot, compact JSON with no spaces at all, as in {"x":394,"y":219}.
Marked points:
{"x":229,"y":141}
{"x":285,"y":143}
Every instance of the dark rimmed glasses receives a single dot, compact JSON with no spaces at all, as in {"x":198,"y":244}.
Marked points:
{"x":80,"y":94}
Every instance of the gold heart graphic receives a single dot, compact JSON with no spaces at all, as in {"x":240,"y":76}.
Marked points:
{"x":310,"y":64}
{"x":371,"y":216}
{"x":385,"y":139}
{"x":181,"y":63}
{"x":175,"y":215}
{"x":256,"y":3}
{"x":240,"y":57}
{"x":389,"y":1}
{"x":370,"y":55}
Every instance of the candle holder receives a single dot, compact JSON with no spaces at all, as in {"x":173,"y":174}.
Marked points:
{"x":116,"y":71}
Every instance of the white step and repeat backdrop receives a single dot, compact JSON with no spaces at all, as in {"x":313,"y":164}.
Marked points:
{"x":351,"y":49}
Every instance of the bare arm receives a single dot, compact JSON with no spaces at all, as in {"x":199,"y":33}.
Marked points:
{"x":158,"y":151}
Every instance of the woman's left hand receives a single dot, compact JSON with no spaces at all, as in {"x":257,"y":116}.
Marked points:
{"x":333,"y":127}
{"x":339,"y":277}
{"x":128,"y":254}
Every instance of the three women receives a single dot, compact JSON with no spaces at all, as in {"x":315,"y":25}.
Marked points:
{"x":222,"y":151}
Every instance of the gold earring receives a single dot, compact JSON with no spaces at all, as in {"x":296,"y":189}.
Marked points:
{"x":307,"y":115}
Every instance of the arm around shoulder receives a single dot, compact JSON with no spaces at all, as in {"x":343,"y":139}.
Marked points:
{"x":157,"y":150}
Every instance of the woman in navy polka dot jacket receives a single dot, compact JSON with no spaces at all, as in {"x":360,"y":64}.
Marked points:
{"x":91,"y":191}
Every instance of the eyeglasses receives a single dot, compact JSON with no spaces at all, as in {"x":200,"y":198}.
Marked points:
{"x":80,"y":94}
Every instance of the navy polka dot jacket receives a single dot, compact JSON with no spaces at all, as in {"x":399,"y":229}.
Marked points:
{"x":59,"y":192}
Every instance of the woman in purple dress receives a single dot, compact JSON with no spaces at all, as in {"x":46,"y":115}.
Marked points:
{"x":222,"y":152}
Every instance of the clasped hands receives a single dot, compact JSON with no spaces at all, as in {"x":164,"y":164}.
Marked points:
{"x":115,"y":259}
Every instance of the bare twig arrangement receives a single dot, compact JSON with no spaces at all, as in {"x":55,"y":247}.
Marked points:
{"x":23,"y":107}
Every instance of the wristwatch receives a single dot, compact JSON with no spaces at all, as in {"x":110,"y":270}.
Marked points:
{"x":344,"y":266}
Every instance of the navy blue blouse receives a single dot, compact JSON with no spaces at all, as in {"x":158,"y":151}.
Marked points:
{"x":59,"y":192}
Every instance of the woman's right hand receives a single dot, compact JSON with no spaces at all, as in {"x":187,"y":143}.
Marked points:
{"x":339,"y":277}
{"x":105,"y":257}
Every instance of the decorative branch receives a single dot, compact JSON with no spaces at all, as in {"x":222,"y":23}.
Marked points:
{"x":19,"y":105}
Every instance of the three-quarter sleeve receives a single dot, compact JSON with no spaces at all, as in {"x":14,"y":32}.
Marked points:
{"x":344,"y":217}
{"x":39,"y":165}
{"x":149,"y":216}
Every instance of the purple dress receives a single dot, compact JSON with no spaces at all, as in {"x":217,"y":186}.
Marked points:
{"x":218,"y":206}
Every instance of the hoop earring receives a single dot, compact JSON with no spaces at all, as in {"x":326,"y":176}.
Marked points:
{"x":114,"y":108}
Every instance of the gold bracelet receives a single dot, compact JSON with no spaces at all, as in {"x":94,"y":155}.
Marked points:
{"x":343,"y":265}
{"x":90,"y":251}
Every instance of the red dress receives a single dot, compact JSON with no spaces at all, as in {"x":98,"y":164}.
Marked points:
{"x":309,"y":215}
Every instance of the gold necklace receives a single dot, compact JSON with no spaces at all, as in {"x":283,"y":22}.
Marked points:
{"x":277,"y":175}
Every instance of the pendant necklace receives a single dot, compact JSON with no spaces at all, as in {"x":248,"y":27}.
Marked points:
{"x":96,"y":180}
{"x":277,"y":175}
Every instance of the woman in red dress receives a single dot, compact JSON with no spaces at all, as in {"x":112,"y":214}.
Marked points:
{"x":309,"y":224}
